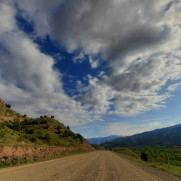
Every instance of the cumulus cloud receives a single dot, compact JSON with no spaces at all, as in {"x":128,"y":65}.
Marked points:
{"x":139,"y":41}
{"x":28,"y":79}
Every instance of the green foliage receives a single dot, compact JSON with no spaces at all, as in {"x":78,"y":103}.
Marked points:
{"x":45,"y":131}
{"x":125,"y":151}
{"x":8,"y":106}
{"x":162,"y":155}
{"x":39,"y":131}
{"x":166,"y":155}
{"x":164,"y":158}
{"x":144,"y":156}
{"x":5,"y":111}
{"x":30,"y":131}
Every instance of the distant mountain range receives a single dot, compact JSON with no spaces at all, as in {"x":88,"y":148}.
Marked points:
{"x":101,"y":140}
{"x":170,"y":136}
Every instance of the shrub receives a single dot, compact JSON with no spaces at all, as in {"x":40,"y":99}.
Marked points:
{"x":30,"y":131}
{"x":33,"y":139}
{"x":8,"y":105}
{"x":59,"y":127}
{"x":47,"y":136}
{"x":2,"y":134}
{"x":144,"y":157}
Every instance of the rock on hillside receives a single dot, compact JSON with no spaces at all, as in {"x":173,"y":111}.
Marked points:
{"x":2,"y":102}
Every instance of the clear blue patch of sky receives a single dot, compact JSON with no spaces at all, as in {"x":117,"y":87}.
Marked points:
{"x":23,"y":24}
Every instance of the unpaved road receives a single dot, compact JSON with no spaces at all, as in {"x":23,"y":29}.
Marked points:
{"x":94,"y":166}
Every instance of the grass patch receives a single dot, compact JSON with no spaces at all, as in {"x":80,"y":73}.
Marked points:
{"x":176,"y":170}
{"x":5,"y":111}
{"x":167,"y":159}
{"x":39,"y":131}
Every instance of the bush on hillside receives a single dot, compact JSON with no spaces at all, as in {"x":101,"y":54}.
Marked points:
{"x":8,"y":105}
{"x":144,"y":157}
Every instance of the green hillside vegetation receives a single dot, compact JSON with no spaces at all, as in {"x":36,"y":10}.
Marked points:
{"x":6,"y":111}
{"x":45,"y":131}
{"x":164,"y":158}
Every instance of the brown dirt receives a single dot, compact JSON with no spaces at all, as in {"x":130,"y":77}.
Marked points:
{"x":20,"y":153}
{"x":9,"y":118}
{"x":94,"y":166}
{"x":2,"y":102}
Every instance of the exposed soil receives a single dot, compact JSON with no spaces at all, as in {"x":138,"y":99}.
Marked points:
{"x":2,"y":102}
{"x":94,"y":166}
{"x":25,"y":153}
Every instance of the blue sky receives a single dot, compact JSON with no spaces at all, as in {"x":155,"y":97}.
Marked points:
{"x":101,"y":67}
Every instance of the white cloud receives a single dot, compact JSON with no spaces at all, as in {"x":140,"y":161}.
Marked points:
{"x":29,"y":81}
{"x":79,"y":58}
{"x":174,"y":87}
{"x":94,"y":63}
{"x":154,"y":124}
{"x":6,"y":21}
{"x":139,"y":42}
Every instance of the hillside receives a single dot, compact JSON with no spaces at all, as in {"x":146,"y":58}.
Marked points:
{"x":100,"y":140}
{"x":16,"y":129}
{"x":170,"y":136}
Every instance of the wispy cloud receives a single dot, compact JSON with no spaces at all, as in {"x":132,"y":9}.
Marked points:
{"x":137,"y":42}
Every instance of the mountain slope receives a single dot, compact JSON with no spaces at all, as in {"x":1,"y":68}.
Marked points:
{"x":100,"y":140}
{"x":164,"y":137}
{"x":17,"y":129}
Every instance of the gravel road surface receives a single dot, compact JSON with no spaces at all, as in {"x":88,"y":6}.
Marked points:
{"x":94,"y":166}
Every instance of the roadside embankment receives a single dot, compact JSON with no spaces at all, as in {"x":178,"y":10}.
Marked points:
{"x":10,"y":155}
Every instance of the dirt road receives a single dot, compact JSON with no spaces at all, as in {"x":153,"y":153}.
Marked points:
{"x":94,"y":166}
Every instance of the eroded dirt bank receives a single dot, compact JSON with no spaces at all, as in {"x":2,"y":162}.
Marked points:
{"x":17,"y":154}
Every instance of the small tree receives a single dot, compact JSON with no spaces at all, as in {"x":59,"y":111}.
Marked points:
{"x":8,"y":105}
{"x":80,"y":137}
{"x":47,"y":136}
{"x":144,"y":157}
{"x":52,"y":117}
